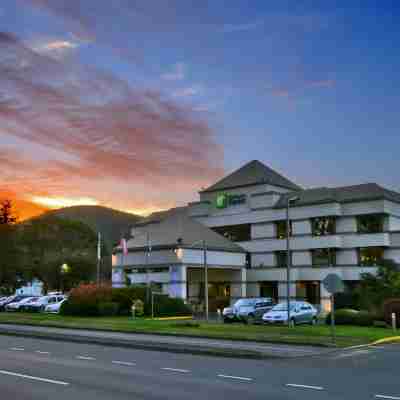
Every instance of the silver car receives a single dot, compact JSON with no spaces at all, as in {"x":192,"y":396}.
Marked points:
{"x":248,"y":310}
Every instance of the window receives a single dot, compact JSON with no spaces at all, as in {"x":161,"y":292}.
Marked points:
{"x":323,"y":257}
{"x":281,"y":229}
{"x":323,"y":226}
{"x":235,"y":233}
{"x":370,"y":256}
{"x":372,"y":223}
{"x":281,"y":259}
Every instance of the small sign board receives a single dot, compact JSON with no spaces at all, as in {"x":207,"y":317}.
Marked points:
{"x":333,"y":283}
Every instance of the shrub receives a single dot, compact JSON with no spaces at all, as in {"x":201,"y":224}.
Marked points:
{"x":125,"y":296}
{"x":380,"y":324}
{"x":165,"y":306}
{"x":139,"y":307}
{"x":85,"y":299}
{"x":352,"y":317}
{"x":391,"y":306}
{"x":107,"y":309}
{"x":346,"y":300}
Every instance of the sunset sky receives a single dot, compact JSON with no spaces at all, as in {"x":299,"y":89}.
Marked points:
{"x":137,"y":105}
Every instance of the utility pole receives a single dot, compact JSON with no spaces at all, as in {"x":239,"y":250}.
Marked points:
{"x":205,"y":277}
{"x":98,"y":257}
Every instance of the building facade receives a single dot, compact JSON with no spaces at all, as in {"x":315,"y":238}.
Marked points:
{"x":345,"y":230}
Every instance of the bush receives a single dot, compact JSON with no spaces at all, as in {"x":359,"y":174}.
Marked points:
{"x":139,"y":307}
{"x":125,"y":296}
{"x":107,"y":309}
{"x":391,"y":306}
{"x":347,"y":300}
{"x":165,"y":306}
{"x":352,"y":317}
{"x":380,"y":324}
{"x":85,"y":299}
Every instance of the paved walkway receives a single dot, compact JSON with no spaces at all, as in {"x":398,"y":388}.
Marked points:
{"x":178,"y":344}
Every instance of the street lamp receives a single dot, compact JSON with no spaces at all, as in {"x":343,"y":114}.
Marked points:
{"x":205,"y":266}
{"x":64,"y":269}
{"x":290,"y":200}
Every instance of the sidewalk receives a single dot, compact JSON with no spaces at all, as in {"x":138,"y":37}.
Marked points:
{"x":175,"y":344}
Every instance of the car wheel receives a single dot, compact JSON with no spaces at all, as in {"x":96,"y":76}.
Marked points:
{"x":42,"y":308}
{"x":227,"y":320}
{"x":292,"y":322}
{"x":251,"y":319}
{"x":314,"y":321}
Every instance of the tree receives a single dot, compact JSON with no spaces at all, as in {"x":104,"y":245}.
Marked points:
{"x":374,"y":289}
{"x":7,"y":216}
{"x":8,"y":250}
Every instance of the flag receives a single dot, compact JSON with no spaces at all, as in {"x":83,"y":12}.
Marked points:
{"x":124,"y":246}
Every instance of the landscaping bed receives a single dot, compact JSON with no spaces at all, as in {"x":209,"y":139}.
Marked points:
{"x":310,"y":335}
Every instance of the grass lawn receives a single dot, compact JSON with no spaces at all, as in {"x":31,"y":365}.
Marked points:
{"x":315,"y":335}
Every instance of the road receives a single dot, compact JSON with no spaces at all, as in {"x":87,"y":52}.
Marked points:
{"x":32,"y":369}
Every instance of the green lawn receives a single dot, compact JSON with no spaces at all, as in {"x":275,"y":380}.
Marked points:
{"x":316,"y":335}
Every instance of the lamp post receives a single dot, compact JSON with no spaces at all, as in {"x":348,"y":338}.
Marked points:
{"x":290,"y":201}
{"x":64,"y":269}
{"x":205,"y":266}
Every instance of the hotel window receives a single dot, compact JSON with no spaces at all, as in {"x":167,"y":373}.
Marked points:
{"x":370,"y":256}
{"x":281,"y":259}
{"x":235,"y":233}
{"x":372,"y":223}
{"x":280,"y":227}
{"x":323,"y":257}
{"x":323,"y":226}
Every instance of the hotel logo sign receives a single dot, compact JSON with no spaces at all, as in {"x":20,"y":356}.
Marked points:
{"x":225,"y":200}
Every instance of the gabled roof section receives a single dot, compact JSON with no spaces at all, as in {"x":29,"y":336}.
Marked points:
{"x":345,"y":194}
{"x":167,"y":227}
{"x":253,"y":173}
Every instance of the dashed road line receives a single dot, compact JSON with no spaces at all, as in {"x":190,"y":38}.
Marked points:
{"x":86,"y":358}
{"x":42,"y":352}
{"x":241,"y":378}
{"x":17,"y":349}
{"x":185,"y":371}
{"x":127,"y":363}
{"x":382,"y":396}
{"x":305,"y":386}
{"x":33,"y":378}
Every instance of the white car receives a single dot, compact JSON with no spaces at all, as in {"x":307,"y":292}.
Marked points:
{"x":301,"y":312}
{"x":16,"y":305}
{"x":54,"y":308}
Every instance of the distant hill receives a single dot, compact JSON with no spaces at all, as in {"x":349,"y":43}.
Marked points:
{"x":111,"y":223}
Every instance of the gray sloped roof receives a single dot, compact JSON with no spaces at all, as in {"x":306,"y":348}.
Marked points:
{"x":252,"y":173}
{"x":166,"y":227}
{"x":345,"y":194}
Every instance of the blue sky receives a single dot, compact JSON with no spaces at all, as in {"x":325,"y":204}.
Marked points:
{"x":309,"y":88}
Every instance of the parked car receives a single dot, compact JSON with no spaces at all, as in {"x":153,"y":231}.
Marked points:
{"x":41,"y":303}
{"x":10,"y":299}
{"x":15,"y":305}
{"x":301,"y":312}
{"x":55,"y":307}
{"x":248,"y":310}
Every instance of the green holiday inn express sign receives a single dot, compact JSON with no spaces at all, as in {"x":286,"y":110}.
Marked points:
{"x":225,"y":200}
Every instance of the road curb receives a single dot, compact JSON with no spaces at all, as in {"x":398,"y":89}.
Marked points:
{"x":392,"y":339}
{"x":162,"y":347}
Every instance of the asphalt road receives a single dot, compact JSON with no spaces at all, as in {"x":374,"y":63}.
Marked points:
{"x":32,"y":369}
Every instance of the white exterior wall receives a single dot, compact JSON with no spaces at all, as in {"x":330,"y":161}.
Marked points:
{"x":346,"y":224}
{"x":347,"y":257}
{"x":217,"y":258}
{"x":301,"y":258}
{"x":262,"y":201}
{"x":394,"y":223}
{"x":366,"y":207}
{"x":302,"y":227}
{"x":262,"y":231}
{"x":264,"y":259}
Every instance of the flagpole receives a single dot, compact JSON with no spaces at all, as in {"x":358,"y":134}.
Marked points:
{"x":98,"y":257}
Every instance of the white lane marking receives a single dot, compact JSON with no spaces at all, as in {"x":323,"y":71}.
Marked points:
{"x":382,"y":396}
{"x":85,"y":358}
{"x":17,"y":349}
{"x":185,"y":371}
{"x":33,"y":378}
{"x":42,"y":352}
{"x":305,"y":386}
{"x":241,"y":378}
{"x":127,"y":363}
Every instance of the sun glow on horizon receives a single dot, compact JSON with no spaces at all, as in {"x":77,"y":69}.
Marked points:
{"x":60,"y":202}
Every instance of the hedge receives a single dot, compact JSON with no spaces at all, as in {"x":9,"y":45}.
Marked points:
{"x":352,"y":317}
{"x":391,"y":306}
{"x":165,"y":306}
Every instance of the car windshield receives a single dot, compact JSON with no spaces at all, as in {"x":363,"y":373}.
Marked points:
{"x":245,"y":302}
{"x":283,"y":307}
